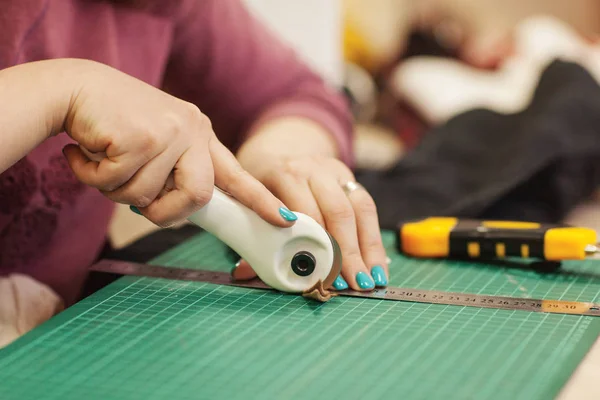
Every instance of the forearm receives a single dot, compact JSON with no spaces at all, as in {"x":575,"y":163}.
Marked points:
{"x":254,"y":89}
{"x":285,"y":137}
{"x":34,"y":99}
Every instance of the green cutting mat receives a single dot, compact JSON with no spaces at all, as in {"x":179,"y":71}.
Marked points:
{"x":143,"y":338}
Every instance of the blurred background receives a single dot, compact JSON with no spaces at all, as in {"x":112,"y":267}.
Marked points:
{"x":410,"y":66}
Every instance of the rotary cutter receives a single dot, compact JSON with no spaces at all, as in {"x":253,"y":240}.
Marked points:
{"x":303,"y":258}
{"x":443,"y":237}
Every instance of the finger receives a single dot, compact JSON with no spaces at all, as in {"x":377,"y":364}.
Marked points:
{"x":340,"y":221}
{"x":488,"y":51}
{"x":231,"y":177}
{"x":145,"y":186}
{"x":340,"y":283}
{"x":243,"y":271}
{"x":369,"y":236}
{"x":193,"y":179}
{"x":169,"y":185}
{"x":297,"y":196}
{"x":108,"y":174}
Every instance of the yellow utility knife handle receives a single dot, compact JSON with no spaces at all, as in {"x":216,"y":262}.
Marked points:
{"x":440,"y":237}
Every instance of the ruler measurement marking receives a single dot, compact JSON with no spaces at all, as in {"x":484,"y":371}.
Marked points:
{"x":389,"y":293}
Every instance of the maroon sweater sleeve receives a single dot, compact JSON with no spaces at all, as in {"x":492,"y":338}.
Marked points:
{"x":237,"y":73}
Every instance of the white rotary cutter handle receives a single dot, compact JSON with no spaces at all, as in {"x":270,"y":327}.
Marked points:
{"x":303,"y":258}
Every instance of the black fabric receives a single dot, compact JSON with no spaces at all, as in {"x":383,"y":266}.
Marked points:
{"x":152,"y":245}
{"x":535,"y":165}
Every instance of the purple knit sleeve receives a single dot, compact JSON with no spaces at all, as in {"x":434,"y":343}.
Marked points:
{"x":236,"y":71}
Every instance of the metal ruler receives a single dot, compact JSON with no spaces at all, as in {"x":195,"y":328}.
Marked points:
{"x":389,"y":293}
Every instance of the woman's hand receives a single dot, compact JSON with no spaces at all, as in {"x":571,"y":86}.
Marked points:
{"x":314,"y":185}
{"x":144,"y":135}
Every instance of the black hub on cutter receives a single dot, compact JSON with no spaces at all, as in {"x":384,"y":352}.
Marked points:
{"x":303,"y":263}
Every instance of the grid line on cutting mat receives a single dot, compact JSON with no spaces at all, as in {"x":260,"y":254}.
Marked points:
{"x":144,"y":338}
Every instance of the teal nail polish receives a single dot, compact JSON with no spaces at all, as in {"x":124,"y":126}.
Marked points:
{"x":135,"y":210}
{"x":287,"y":214}
{"x":378,"y":275}
{"x":340,"y":283}
{"x":364,"y":281}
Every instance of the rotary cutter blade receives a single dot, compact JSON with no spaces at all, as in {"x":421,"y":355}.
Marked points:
{"x":336,"y":268}
{"x":322,"y":293}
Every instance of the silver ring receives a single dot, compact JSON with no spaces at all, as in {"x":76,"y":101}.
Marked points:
{"x":351,"y":186}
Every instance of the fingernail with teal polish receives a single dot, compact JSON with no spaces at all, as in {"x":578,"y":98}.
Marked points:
{"x":364,"y":281}
{"x":135,"y":210}
{"x":287,"y":214}
{"x":378,"y":275}
{"x":340,"y":283}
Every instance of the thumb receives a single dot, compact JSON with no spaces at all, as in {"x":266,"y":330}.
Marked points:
{"x":243,"y":271}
